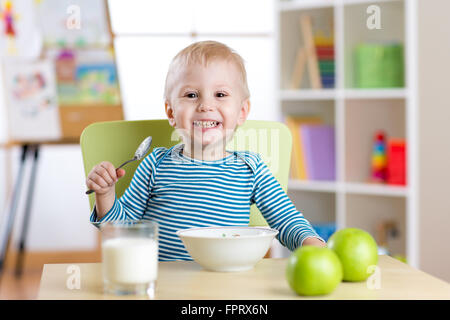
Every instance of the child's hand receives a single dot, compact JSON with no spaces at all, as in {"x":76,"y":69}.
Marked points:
{"x":311,"y":241}
{"x":103,"y":177}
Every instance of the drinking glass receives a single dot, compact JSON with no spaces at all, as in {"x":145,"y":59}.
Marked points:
{"x":130,"y":257}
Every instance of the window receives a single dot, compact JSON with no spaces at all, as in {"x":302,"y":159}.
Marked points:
{"x":150,"y":33}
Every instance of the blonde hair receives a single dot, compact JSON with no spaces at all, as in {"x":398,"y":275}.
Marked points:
{"x":204,"y":52}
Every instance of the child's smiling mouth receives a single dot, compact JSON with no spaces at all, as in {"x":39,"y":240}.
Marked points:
{"x":206,"y":124}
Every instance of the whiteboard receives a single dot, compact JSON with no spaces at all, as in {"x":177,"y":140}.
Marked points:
{"x":73,"y":23}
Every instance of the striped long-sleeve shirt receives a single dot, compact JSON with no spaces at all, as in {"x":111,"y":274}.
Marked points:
{"x":179,"y":192}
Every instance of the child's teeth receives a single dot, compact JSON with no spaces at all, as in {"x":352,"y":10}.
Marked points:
{"x":205,"y":124}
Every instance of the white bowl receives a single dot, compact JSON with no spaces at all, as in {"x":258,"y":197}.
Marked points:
{"x":227,"y":248}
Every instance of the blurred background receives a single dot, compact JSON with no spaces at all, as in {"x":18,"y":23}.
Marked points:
{"x":361,"y":85}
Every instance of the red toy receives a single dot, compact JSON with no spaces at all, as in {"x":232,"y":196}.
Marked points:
{"x":396,"y":169}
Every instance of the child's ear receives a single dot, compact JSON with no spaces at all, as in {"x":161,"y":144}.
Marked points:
{"x":243,"y":113}
{"x":170,"y":113}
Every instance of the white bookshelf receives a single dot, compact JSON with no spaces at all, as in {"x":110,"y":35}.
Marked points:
{"x":331,"y":94}
{"x":356,"y":113}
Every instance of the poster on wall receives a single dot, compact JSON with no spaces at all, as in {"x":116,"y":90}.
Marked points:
{"x":85,"y":78}
{"x":73,"y":23}
{"x":31,"y":101}
{"x":19,"y":34}
{"x":73,"y":80}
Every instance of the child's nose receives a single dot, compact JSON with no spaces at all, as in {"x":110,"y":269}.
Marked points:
{"x":205,"y":107}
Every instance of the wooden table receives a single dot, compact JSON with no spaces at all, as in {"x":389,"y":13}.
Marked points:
{"x":187,"y":280}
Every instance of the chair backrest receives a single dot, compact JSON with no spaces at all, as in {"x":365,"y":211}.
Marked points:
{"x":116,"y":142}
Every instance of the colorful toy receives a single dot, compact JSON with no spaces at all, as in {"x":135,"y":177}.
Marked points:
{"x":8,"y":16}
{"x":379,"y":158}
{"x":325,"y":54}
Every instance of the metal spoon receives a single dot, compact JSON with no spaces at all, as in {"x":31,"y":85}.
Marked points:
{"x":138,"y":155}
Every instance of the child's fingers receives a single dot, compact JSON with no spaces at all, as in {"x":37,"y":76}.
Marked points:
{"x":92,"y":185}
{"x":100,"y":175}
{"x":104,"y":173}
{"x":99,"y":180}
{"x":110,"y":169}
{"x":120,"y":173}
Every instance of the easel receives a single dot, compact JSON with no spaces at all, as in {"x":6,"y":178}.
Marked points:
{"x":5,"y":241}
{"x":28,"y":150}
{"x":73,"y":120}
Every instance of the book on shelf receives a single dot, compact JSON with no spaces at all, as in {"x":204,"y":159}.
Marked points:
{"x":313,"y":156}
{"x":319,"y":150}
{"x":298,"y":170}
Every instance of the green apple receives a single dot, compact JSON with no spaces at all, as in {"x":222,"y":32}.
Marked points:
{"x":313,"y":271}
{"x":357,"y":250}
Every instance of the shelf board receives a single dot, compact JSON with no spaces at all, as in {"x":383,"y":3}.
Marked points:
{"x":376,"y":189}
{"x":350,"y":2}
{"x":309,"y":185}
{"x":388,"y":93}
{"x":308,"y":94}
{"x":348,"y":187}
{"x":331,"y":94}
{"x":294,"y":5}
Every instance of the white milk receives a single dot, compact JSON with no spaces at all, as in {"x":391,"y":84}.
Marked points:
{"x":130,"y":260}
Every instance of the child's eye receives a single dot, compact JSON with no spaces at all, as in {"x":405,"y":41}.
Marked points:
{"x":191,"y":95}
{"x":220,"y":94}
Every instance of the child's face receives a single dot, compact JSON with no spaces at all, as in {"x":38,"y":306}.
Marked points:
{"x":202,"y":94}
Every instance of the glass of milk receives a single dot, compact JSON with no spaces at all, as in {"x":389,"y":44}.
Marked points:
{"x":130,"y":257}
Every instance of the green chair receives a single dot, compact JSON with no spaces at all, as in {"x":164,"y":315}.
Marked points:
{"x":116,"y":142}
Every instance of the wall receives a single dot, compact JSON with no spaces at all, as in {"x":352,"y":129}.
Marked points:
{"x":434,"y":132}
{"x":60,"y":210}
{"x":60,"y":214}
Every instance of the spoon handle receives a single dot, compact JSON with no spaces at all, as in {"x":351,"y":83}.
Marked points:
{"x":135,"y":158}
{"x":131,"y":160}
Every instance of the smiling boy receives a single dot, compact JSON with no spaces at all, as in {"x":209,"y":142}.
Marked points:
{"x":198,"y":183}
{"x":206,"y":98}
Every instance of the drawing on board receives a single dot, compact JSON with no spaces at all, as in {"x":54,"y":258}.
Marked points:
{"x":60,"y":74}
{"x":19,"y":34}
{"x":31,"y":100}
{"x":86,"y":78}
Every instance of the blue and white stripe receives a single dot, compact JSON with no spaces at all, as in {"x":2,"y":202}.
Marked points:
{"x":179,"y":192}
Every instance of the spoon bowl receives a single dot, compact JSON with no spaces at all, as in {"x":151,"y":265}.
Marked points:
{"x":143,"y":148}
